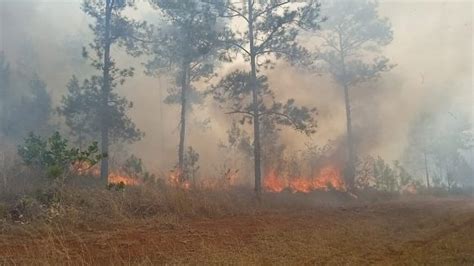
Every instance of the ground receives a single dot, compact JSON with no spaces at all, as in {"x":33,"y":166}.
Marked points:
{"x":423,"y":231}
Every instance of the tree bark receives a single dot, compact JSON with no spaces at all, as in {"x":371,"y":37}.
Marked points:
{"x":256,"y":116}
{"x":182,"y":122}
{"x":427,"y":171}
{"x":104,"y":166}
{"x":350,"y":171}
{"x":349,"y":174}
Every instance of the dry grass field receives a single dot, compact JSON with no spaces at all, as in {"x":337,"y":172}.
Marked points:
{"x":194,"y":228}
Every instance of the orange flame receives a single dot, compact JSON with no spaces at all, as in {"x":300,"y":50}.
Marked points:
{"x":301,"y":185}
{"x":117,"y":178}
{"x":328,"y":177}
{"x":174,"y":180}
{"x":273,"y":183}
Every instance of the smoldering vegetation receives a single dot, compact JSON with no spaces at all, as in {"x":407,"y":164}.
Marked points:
{"x":122,"y":112}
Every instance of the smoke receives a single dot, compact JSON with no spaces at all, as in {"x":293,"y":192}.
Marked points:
{"x":432,"y":47}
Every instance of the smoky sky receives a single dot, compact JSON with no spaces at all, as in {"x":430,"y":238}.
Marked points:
{"x":431,"y":47}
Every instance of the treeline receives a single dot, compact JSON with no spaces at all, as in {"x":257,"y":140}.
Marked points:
{"x":25,"y":103}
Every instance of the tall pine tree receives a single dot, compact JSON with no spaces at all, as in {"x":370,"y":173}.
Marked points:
{"x":269,"y":31}
{"x":110,"y":27}
{"x":185,"y":46}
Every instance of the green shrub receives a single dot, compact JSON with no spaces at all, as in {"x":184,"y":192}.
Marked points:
{"x":133,"y":167}
{"x":53,"y":157}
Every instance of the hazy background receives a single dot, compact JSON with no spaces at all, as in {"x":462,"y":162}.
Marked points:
{"x":432,"y":48}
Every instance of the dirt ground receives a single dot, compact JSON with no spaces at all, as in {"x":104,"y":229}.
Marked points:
{"x":435,"y":231}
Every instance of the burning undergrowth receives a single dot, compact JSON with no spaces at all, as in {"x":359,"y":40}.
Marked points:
{"x":313,"y":170}
{"x":328,"y":178}
{"x":316,"y":168}
{"x":130,"y":173}
{"x":296,"y":182}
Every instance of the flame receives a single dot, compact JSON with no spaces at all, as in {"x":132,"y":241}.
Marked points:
{"x":117,"y":178}
{"x":328,"y":178}
{"x":273,"y":183}
{"x":174,"y":180}
{"x":301,"y":185}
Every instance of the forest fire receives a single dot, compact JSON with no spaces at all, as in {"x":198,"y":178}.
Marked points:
{"x":274,"y":183}
{"x":117,"y":178}
{"x":174,"y":180}
{"x":329,"y":177}
{"x":158,"y":132}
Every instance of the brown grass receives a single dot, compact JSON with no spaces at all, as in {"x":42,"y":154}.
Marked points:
{"x":158,"y":225}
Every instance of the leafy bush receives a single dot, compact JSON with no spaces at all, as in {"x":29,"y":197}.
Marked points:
{"x":385,"y":176}
{"x":26,"y":209}
{"x":375,"y":173}
{"x":53,"y":157}
{"x":133,"y":167}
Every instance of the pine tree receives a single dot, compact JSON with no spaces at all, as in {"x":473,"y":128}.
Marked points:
{"x":186,"y":46}
{"x":110,"y":27}
{"x":351,"y":39}
{"x":270,"y":30}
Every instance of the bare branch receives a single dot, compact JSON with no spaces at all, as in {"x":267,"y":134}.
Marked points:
{"x":329,"y":43}
{"x":269,"y":37}
{"x":269,"y":9}
{"x":236,"y":13}
{"x":240,"y":112}
{"x":287,"y":117}
{"x":273,"y":51}
{"x":238,"y":46}
{"x":139,"y":39}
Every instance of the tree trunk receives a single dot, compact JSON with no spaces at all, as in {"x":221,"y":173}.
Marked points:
{"x":104,"y":166}
{"x":162,"y":139}
{"x":182,"y":122}
{"x":350,"y":170}
{"x":256,"y":116}
{"x":349,"y":174}
{"x":427,"y":171}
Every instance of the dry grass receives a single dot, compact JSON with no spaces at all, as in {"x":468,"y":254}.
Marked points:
{"x":156,"y":225}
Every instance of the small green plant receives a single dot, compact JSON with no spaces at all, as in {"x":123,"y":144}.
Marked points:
{"x":53,"y":157}
{"x":385,"y":176}
{"x":133,"y":167}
